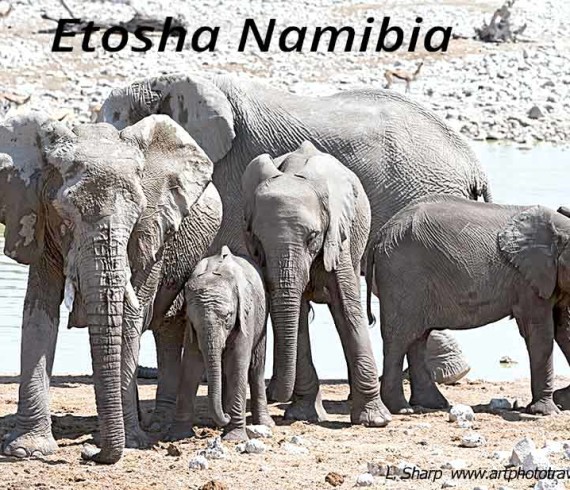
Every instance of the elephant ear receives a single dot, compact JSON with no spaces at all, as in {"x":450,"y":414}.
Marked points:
{"x":259,"y":170}
{"x":201,"y":108}
{"x":22,"y":163}
{"x":529,"y":242}
{"x":341,"y":190}
{"x":175,"y":173}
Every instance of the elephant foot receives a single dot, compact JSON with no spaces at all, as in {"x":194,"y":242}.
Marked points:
{"x":543,"y":407}
{"x":371,"y":414}
{"x":432,"y":399}
{"x":264,"y":419}
{"x":27,"y":444}
{"x":397,"y":407}
{"x":562,"y":398}
{"x":137,"y":438}
{"x":178,"y":431}
{"x":93,"y":453}
{"x":237,"y":434}
{"x":309,"y":409}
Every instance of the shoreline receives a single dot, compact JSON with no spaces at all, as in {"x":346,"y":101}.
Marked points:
{"x":517,"y":92}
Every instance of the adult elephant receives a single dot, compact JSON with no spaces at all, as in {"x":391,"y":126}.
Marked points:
{"x":92,"y":211}
{"x":398,"y":149}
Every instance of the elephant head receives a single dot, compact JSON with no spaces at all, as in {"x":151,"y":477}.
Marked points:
{"x":296,"y":217}
{"x":86,"y":201}
{"x":536,"y":241}
{"x":197,"y":104}
{"x":219,"y":305}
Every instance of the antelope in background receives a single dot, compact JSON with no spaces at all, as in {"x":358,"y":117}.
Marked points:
{"x":406,"y":76}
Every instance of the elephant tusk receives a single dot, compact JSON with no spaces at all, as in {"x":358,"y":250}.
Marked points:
{"x":130,"y":294}
{"x":69,"y":294}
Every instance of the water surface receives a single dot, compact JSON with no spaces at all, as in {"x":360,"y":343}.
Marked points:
{"x":537,"y":176}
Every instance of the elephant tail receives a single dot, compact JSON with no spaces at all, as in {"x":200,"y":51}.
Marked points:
{"x":369,"y":279}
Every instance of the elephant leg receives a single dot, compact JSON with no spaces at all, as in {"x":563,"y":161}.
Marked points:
{"x":424,"y":390}
{"x":135,"y":436}
{"x":562,"y":335}
{"x":169,"y":338}
{"x":235,"y":373}
{"x":538,"y":331}
{"x":190,"y":378}
{"x":391,"y":388}
{"x":32,"y":434}
{"x":306,"y":402}
{"x":345,"y":307}
{"x":259,"y":410}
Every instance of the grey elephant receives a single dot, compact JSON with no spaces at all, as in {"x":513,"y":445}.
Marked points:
{"x":91,"y":211}
{"x":226,"y":334}
{"x":397,"y":149}
{"x":306,"y":224}
{"x":448,"y":261}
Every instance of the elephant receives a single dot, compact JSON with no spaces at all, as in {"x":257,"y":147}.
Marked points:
{"x":445,"y":260}
{"x":306,"y":224}
{"x":399,"y":150}
{"x":226,"y":332}
{"x":92,"y":211}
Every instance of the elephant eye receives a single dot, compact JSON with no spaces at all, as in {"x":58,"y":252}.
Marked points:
{"x":312,"y":238}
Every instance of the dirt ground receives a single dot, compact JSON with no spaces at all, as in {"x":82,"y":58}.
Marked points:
{"x":427,"y":440}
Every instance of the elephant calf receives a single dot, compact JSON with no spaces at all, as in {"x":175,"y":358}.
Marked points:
{"x":226,"y":332}
{"x":307,"y":220}
{"x":449,"y":262}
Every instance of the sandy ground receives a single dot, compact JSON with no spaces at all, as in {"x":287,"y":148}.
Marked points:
{"x":427,"y":440}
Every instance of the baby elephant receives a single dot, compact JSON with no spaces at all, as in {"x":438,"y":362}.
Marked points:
{"x":448,"y":262}
{"x":226,"y":332}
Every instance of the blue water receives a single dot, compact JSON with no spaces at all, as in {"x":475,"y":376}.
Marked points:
{"x":537,"y":176}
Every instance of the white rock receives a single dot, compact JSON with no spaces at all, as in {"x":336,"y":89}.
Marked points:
{"x":549,"y":485}
{"x":377,"y":469}
{"x":500,"y":455}
{"x":521,"y":450}
{"x":461,"y":413}
{"x":259,"y":431}
{"x":298,"y":440}
{"x":500,"y":404}
{"x":214,"y":449}
{"x":365,"y":480}
{"x":255,"y":446}
{"x":198,"y":463}
{"x":449,"y":484}
{"x":481,"y":487}
{"x":535,"y":460}
{"x":553,"y":447}
{"x":454,"y":464}
{"x":294,"y":448}
{"x":472,"y":440}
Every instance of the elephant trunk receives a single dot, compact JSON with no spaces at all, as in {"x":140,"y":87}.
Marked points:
{"x":214,"y":371}
{"x":102,"y":279}
{"x":285,"y":308}
{"x":487,"y":196}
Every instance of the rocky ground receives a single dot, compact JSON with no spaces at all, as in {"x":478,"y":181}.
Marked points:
{"x":427,"y":440}
{"x":516,"y":92}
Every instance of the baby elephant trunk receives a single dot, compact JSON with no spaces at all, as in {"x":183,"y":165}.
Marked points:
{"x":214,"y":369}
